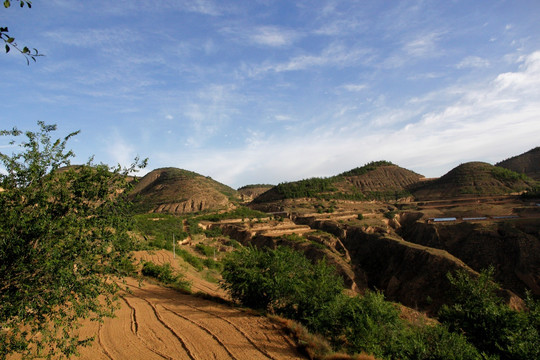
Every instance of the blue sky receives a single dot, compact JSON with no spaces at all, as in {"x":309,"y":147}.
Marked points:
{"x":260,"y":91}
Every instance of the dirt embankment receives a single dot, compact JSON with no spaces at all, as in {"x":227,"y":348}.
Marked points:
{"x":408,"y":273}
{"x":512,"y":248}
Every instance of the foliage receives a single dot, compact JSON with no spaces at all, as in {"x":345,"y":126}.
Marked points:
{"x":533,"y":192}
{"x":212,"y":264}
{"x":313,"y":187}
{"x":63,"y":238}
{"x":158,"y":229}
{"x":507,"y":175}
{"x":190,"y":259}
{"x":254,"y":186}
{"x":281,"y":281}
{"x":205,"y":249}
{"x":433,"y":342}
{"x":213,"y":232}
{"x":366,"y":168}
{"x":165,"y":274}
{"x":193,"y":226}
{"x":488,"y":323}
{"x":9,"y":41}
{"x":240,"y":212}
{"x":284,"y":282}
{"x":234,"y":243}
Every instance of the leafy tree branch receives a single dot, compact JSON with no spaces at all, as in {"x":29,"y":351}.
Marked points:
{"x":9,"y":41}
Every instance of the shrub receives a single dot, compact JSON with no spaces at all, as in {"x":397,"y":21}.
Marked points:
{"x":191,"y":259}
{"x":213,"y":232}
{"x":205,"y":249}
{"x":281,"y":281}
{"x":164,"y":273}
{"x":488,"y":323}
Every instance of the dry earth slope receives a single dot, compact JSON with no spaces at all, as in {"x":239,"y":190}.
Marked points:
{"x":155,"y":322}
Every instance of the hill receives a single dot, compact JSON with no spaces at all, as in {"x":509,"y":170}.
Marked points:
{"x":527,"y":163}
{"x":250,"y":192}
{"x":473,"y":179}
{"x":180,"y":191}
{"x":379,"y":180}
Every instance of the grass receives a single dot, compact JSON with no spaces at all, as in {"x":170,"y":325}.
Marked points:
{"x":191,"y":259}
{"x":166,"y":275}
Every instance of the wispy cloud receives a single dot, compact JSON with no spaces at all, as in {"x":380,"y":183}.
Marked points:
{"x":354,"y":87}
{"x":488,"y":122}
{"x":473,"y":62}
{"x":268,"y":36}
{"x":423,"y":45}
{"x":273,"y":36}
{"x":336,"y":55}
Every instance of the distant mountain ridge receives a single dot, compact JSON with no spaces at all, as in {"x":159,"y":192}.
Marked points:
{"x":375,"y":180}
{"x":473,"y":179}
{"x":180,"y":191}
{"x":527,"y":163}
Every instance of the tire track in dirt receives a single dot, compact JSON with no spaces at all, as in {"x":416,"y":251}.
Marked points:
{"x":248,"y":338}
{"x":221,"y":329}
{"x":195,"y":323}
{"x":155,"y":322}
{"x":152,"y":338}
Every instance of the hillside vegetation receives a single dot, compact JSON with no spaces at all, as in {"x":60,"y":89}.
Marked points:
{"x":180,"y":191}
{"x":474,"y":178}
{"x":527,"y":163}
{"x":380,"y":180}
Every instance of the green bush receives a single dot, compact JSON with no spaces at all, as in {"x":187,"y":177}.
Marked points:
{"x":205,"y":249}
{"x":213,"y":232}
{"x":190,"y":259}
{"x":164,"y":273}
{"x":158,"y":229}
{"x":283,"y":281}
{"x":212,"y":264}
{"x":240,"y":212}
{"x":488,"y":323}
{"x":433,"y":343}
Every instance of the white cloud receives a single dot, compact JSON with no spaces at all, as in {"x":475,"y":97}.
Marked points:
{"x":423,"y":45}
{"x":273,"y":36}
{"x":120,"y":151}
{"x":336,"y":55}
{"x":473,"y":62}
{"x":354,"y":87}
{"x":487,"y":122}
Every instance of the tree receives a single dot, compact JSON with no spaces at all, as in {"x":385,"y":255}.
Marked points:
{"x":282,"y":280}
{"x":487,"y":322}
{"x":63,"y":243}
{"x":9,"y":41}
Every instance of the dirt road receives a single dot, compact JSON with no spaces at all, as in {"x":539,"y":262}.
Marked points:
{"x":159,"y":323}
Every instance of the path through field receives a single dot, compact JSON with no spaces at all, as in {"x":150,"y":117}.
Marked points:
{"x":159,"y":323}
